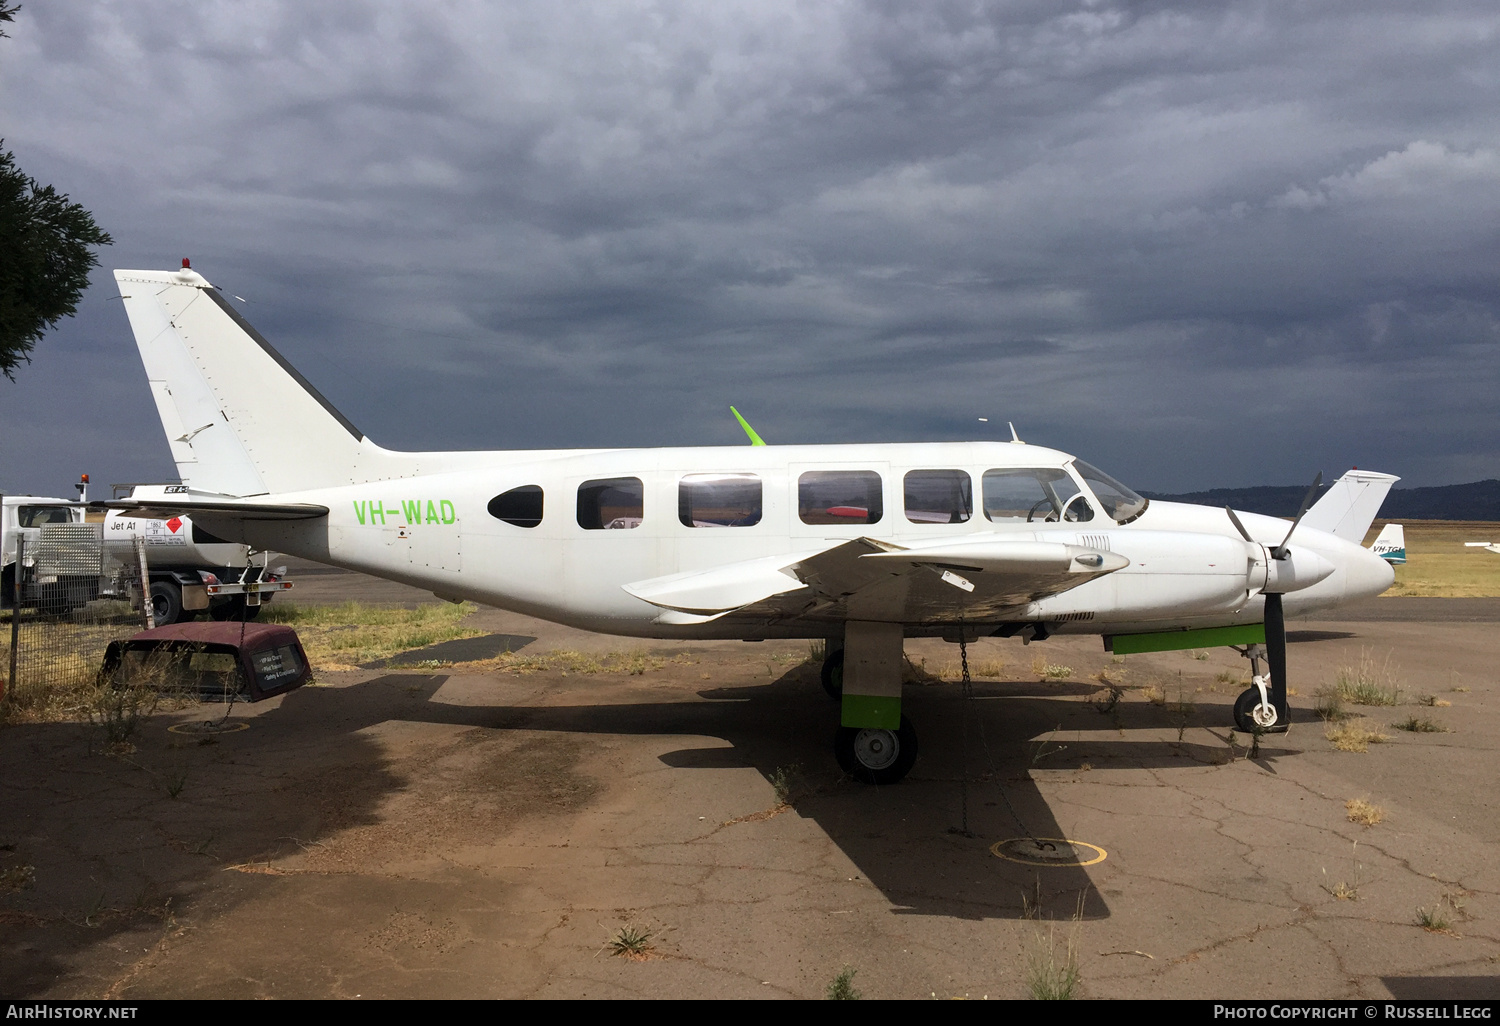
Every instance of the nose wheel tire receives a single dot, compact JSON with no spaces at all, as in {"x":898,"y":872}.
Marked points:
{"x":1250,"y":716}
{"x":875,"y":755}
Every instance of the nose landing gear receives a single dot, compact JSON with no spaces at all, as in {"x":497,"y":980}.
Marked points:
{"x":1261,"y":708}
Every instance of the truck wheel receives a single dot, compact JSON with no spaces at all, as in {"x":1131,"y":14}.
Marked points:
{"x":166,"y":603}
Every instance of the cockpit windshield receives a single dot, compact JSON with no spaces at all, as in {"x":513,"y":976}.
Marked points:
{"x":1122,"y":504}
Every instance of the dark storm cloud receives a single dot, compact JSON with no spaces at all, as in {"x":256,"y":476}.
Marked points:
{"x":1199,"y":244}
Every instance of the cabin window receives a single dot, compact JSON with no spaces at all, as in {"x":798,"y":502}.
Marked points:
{"x":614,"y":503}
{"x":520,"y":506}
{"x":939,"y":496}
{"x":839,"y":497}
{"x":1034,"y":494}
{"x":719,"y":500}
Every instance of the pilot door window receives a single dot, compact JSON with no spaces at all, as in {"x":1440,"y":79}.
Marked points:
{"x":839,"y":497}
{"x":719,"y":500}
{"x":1036,"y":495}
{"x":611,"y":504}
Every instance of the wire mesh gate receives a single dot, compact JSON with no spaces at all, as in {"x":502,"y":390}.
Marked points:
{"x":67,"y":601}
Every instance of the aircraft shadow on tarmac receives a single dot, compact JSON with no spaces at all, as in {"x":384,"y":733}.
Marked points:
{"x":906,"y":839}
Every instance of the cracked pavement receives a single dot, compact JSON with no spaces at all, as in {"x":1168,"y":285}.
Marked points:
{"x":451,"y":833}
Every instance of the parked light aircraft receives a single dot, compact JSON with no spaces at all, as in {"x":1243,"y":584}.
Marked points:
{"x":861,"y":545}
{"x":1390,"y":544}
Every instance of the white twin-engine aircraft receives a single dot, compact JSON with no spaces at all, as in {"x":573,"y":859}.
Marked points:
{"x":861,"y":545}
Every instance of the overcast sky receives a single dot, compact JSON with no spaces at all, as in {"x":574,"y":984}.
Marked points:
{"x":1197,"y":244}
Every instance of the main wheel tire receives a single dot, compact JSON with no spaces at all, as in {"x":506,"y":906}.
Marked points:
{"x":874,"y":755}
{"x":1249,"y":717}
{"x":833,"y":674}
{"x":166,"y":603}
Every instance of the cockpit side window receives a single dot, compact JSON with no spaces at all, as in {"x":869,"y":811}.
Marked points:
{"x":719,"y":500}
{"x":840,"y":497}
{"x":1034,"y":494}
{"x":939,"y":496}
{"x":1121,"y":503}
{"x":615,"y":503}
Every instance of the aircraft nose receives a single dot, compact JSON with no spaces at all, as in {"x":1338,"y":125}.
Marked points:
{"x":1367,"y":575}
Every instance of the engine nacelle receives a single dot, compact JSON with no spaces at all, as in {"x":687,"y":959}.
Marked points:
{"x":1302,"y":568}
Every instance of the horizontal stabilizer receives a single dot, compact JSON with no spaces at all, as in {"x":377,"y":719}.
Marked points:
{"x":156,"y":509}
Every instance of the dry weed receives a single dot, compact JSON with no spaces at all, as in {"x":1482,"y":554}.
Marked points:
{"x":1362,"y":812}
{"x":1353,"y":735}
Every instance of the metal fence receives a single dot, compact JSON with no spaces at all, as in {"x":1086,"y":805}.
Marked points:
{"x":68,"y":601}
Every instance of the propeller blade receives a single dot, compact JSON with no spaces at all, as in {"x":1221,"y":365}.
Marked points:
{"x":1276,"y":656}
{"x":1279,"y":552}
{"x":1239,"y":526}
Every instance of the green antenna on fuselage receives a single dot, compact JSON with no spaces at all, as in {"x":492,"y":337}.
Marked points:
{"x":754,"y":438}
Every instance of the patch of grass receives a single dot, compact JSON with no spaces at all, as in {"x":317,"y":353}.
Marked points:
{"x":632,"y":942}
{"x":1328,"y":705}
{"x":1154,"y":694}
{"x":1435,"y":702}
{"x":842,"y":986}
{"x":1050,"y":671}
{"x":1362,"y":812}
{"x":343,"y":635}
{"x":1368,"y":683}
{"x":18,"y":878}
{"x":1434,"y":918}
{"x":176,"y":780}
{"x":817,"y":651}
{"x":1420,"y":725}
{"x":785,"y":783}
{"x":1353,"y":735}
{"x":1182,"y":710}
{"x":1200,"y":655}
{"x":1050,"y":975}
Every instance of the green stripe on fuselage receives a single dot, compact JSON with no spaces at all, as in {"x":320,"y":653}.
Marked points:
{"x":1171,"y":641}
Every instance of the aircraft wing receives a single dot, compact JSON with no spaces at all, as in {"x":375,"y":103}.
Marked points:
{"x":165,"y":509}
{"x":864,"y":579}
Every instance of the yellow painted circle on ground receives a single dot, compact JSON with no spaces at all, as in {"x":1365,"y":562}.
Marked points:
{"x":208,"y":728}
{"x":1048,"y":851}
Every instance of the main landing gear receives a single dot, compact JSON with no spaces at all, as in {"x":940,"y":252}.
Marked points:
{"x":875,"y":755}
{"x":874,"y":743}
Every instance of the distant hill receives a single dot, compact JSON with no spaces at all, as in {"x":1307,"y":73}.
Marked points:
{"x":1479,"y":500}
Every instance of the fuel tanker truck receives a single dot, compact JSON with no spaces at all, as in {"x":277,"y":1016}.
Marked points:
{"x":190,"y":571}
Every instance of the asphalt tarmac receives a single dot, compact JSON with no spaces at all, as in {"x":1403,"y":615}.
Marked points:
{"x":457,"y":833}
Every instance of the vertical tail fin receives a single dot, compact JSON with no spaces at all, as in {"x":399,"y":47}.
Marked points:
{"x":1391,"y":544}
{"x":239,"y":419}
{"x":1349,"y":506}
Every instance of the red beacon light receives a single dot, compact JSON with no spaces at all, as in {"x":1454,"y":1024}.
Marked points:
{"x":185,"y":265}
